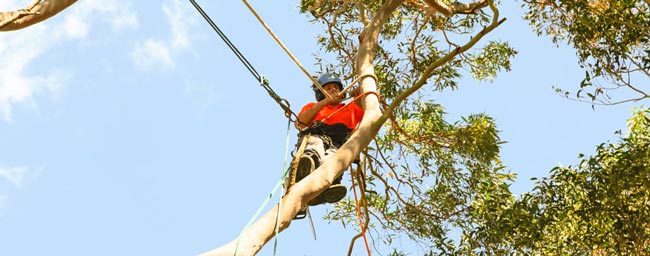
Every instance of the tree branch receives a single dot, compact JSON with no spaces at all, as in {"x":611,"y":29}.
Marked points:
{"x":263,"y":230}
{"x":449,"y":56}
{"x":318,"y":181}
{"x":9,"y":17}
{"x":456,"y":7}
{"x":36,"y":12}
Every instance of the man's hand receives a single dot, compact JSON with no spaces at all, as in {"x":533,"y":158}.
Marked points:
{"x":356,"y":92}
{"x":336,"y":99}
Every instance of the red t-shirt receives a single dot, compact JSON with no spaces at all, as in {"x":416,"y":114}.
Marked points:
{"x":350,"y":116}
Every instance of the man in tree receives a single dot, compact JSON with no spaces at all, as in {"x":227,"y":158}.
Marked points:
{"x":326,"y":125}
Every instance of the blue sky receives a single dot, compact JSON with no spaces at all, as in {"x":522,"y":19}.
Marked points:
{"x":129,"y":128}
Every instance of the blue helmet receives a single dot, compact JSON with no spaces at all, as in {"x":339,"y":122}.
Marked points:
{"x":322,"y":81}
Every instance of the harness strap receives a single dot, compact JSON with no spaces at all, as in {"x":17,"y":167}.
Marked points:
{"x":293,"y":167}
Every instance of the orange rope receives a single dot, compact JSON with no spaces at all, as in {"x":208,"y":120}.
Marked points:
{"x":356,"y":201}
{"x":348,"y":104}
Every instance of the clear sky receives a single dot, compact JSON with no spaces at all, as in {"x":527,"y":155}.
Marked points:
{"x":129,"y":128}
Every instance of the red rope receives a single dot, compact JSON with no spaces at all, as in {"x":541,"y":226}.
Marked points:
{"x":356,"y":201}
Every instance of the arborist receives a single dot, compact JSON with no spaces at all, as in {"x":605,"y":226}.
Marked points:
{"x":329,"y":125}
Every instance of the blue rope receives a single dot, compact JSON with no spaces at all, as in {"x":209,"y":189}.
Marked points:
{"x":284,"y":174}
{"x":266,"y":201}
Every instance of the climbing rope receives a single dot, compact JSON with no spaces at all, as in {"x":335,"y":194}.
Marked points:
{"x":295,"y":60}
{"x":264,"y":82}
{"x":373,"y":76}
{"x":284,"y":104}
{"x":294,"y":163}
{"x":348,"y":104}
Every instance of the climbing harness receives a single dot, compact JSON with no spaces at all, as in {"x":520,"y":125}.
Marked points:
{"x":264,"y":82}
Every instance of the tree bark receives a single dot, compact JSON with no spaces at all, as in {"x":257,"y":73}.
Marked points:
{"x":34,"y":13}
{"x":263,"y":230}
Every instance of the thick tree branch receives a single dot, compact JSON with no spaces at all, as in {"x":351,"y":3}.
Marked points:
{"x":10,"y":17}
{"x":263,"y":230}
{"x":308,"y":188}
{"x":34,"y":13}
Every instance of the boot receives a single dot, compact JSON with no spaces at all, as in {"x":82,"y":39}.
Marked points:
{"x":306,"y":165}
{"x":333,"y":194}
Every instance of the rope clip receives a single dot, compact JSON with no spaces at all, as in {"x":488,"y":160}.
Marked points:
{"x":264,"y":81}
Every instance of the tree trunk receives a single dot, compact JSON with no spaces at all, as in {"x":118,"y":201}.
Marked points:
{"x":36,"y":12}
{"x":258,"y":234}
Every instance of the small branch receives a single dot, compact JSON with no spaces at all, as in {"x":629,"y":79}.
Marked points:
{"x":600,"y":102}
{"x":360,"y":203}
{"x":400,"y":199}
{"x":640,"y":67}
{"x":619,"y":77}
{"x":449,"y":56}
{"x":362,"y":13}
{"x":418,"y":31}
{"x":470,"y":8}
{"x":456,"y":7}
{"x":392,"y":169}
{"x":352,"y":243}
{"x":440,"y":7}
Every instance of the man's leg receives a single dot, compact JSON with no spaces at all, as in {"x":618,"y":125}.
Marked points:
{"x":307,"y":162}
{"x":336,"y":191}
{"x":311,"y":156}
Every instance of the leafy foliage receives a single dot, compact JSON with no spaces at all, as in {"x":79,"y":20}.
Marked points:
{"x":440,"y":184}
{"x":599,"y":207}
{"x":424,"y":177}
{"x":431,"y":177}
{"x":412,"y":39}
{"x":493,"y":58}
{"x":611,"y":38}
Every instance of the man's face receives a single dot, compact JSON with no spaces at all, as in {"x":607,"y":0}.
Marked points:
{"x":331,"y":88}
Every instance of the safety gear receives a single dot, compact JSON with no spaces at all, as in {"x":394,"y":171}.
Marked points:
{"x":306,"y":165}
{"x":322,"y":81}
{"x":331,"y":195}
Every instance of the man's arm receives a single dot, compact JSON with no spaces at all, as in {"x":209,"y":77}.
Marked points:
{"x":308,"y":115}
